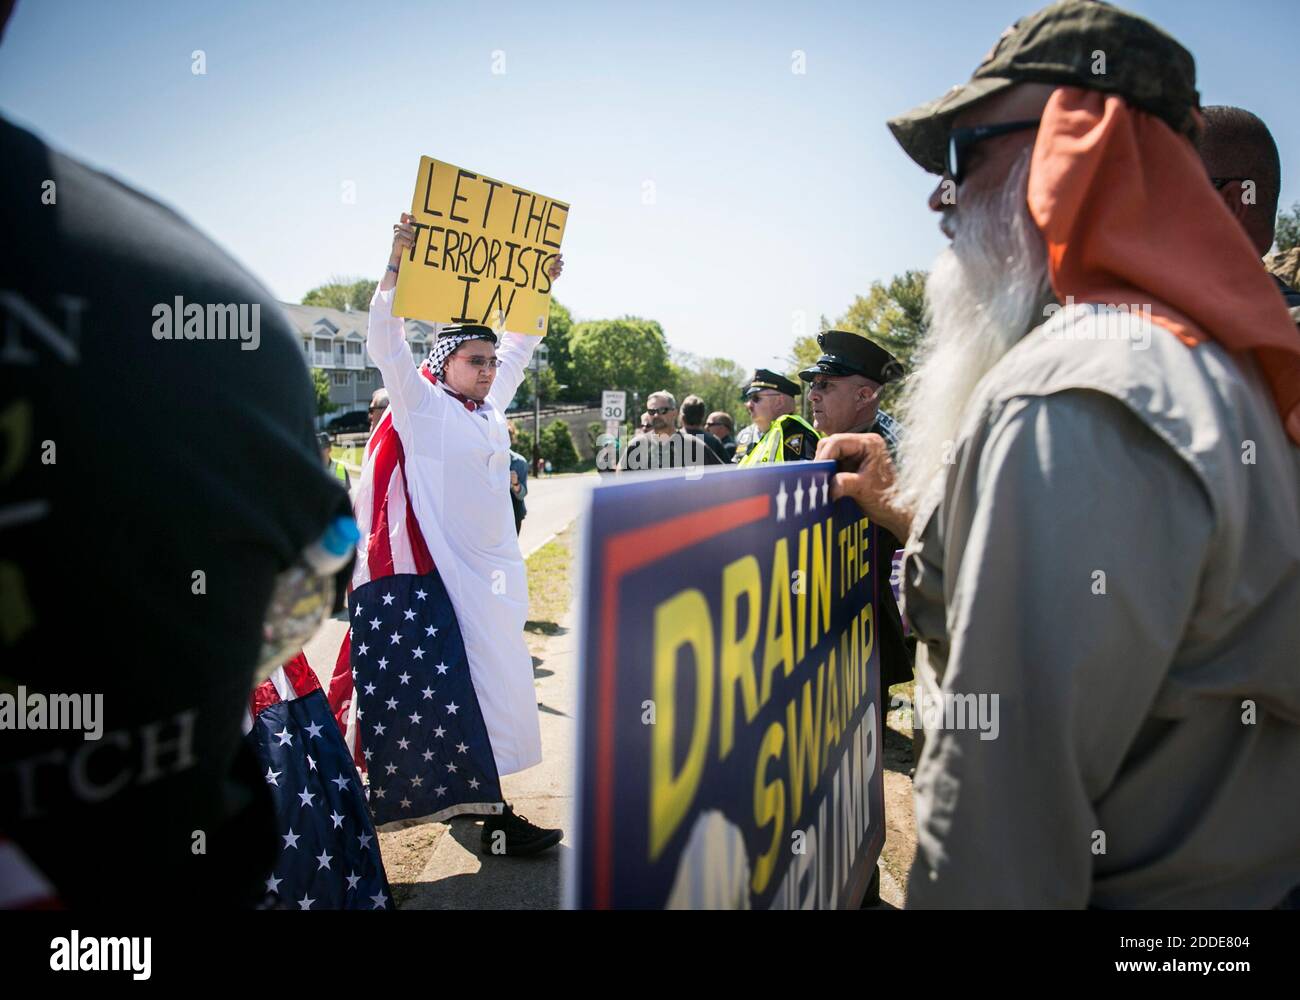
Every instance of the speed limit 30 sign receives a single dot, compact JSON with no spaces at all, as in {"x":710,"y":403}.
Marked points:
{"x":613,"y":405}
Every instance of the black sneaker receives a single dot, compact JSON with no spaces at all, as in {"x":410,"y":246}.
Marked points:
{"x":520,"y":836}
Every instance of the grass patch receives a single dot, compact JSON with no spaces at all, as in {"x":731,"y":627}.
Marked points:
{"x":550,"y":583}
{"x":352,"y":454}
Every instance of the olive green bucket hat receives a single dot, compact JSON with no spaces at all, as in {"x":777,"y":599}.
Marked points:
{"x":1080,"y":43}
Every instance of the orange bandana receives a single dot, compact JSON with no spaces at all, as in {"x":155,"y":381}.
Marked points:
{"x":1129,"y":215}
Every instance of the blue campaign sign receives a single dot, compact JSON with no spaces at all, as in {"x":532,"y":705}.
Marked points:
{"x":730,"y":730}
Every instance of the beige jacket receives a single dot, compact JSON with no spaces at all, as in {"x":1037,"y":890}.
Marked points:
{"x":1114,"y":554}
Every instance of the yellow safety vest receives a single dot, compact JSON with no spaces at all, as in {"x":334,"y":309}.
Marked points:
{"x":771,"y":446}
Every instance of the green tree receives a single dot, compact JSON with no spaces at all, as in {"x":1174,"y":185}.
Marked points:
{"x":717,"y":381}
{"x":342,"y":293}
{"x":628,"y":353}
{"x":805,"y":353}
{"x":893,"y":315}
{"x":558,"y":447}
{"x":1288,"y":229}
{"x":523,"y":441}
{"x":321,"y":383}
{"x":550,"y":386}
{"x":558,"y":331}
{"x":678,"y":378}
{"x":806,"y":350}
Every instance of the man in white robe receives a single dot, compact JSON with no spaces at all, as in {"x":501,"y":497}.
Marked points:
{"x":450,"y":420}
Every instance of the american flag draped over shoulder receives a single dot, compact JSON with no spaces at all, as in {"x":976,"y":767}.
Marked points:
{"x":329,"y":855}
{"x":404,"y":696}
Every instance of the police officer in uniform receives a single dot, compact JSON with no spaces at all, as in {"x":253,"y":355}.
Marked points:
{"x":785,"y":436}
{"x":336,"y":468}
{"x":845,"y":385}
{"x":844,"y":390}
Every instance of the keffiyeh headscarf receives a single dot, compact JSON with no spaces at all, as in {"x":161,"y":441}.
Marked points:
{"x":450,"y":338}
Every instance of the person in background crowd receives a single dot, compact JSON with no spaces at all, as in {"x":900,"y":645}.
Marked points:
{"x":336,"y":468}
{"x":174,"y":553}
{"x":745,"y":439}
{"x":784,"y":436}
{"x":721,"y":425}
{"x":1243,"y":163}
{"x":518,"y":479}
{"x":339,"y":471}
{"x":610,"y":457}
{"x":378,"y":404}
{"x":1102,"y":506}
{"x":693,"y":410}
{"x":665,"y":447}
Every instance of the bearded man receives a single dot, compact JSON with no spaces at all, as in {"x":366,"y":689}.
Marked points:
{"x":1102,"y":505}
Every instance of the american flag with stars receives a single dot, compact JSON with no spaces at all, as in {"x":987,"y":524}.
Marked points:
{"x":328,"y":853}
{"x":422,"y":736}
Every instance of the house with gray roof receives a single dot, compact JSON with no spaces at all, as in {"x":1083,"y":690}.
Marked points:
{"x":334,"y":340}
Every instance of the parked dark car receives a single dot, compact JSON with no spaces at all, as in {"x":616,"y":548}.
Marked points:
{"x":349,"y":423}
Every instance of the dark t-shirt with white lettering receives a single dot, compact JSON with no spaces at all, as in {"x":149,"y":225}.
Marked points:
{"x":150,"y":492}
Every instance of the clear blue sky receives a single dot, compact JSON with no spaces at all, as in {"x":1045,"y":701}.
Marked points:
{"x":774,"y":193}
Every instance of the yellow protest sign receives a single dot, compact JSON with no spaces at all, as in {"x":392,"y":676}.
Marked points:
{"x":481,"y":251}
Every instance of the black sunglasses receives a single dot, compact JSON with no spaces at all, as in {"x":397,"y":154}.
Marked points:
{"x":962,"y":140}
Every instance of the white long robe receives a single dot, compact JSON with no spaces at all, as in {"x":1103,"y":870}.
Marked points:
{"x":458,"y":482}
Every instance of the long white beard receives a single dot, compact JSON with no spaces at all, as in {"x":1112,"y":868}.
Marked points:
{"x":985,"y":292}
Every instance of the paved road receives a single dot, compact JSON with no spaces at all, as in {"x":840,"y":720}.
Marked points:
{"x":553,"y":503}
